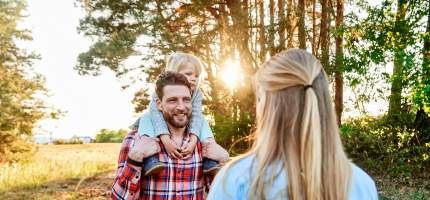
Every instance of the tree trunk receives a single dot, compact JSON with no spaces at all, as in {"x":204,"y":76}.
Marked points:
{"x":241,"y":39}
{"x":422,"y":119}
{"x":281,"y":27}
{"x":338,"y":99}
{"x":324,"y":34}
{"x":302,"y":31}
{"x":272,"y":27}
{"x":262,"y":35}
{"x":397,"y":83}
{"x":314,"y":29}
{"x":290,"y":24}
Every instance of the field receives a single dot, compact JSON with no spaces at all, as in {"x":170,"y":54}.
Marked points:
{"x":62,"y":172}
{"x":86,"y":171}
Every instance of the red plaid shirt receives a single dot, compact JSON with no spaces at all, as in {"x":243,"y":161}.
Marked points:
{"x":181,"y":179}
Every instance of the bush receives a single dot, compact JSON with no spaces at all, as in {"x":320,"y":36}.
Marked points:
{"x":18,"y":151}
{"x":233,"y":134}
{"x":375,"y":142}
{"x":109,"y":136}
{"x":62,"y":141}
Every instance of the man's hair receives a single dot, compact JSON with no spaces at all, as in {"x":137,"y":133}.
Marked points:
{"x":170,"y":78}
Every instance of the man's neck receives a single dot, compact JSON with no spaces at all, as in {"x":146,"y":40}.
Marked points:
{"x":177,"y":132}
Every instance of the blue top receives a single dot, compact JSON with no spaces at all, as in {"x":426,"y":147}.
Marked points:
{"x":238,"y":180}
{"x":152,"y":122}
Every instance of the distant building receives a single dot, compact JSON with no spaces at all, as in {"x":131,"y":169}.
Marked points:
{"x":42,"y":139}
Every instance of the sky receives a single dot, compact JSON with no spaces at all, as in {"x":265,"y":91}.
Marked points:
{"x":91,"y":103}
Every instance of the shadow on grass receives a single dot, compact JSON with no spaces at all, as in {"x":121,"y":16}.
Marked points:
{"x":94,"y":187}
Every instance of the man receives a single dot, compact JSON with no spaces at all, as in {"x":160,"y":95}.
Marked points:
{"x":180,"y":179}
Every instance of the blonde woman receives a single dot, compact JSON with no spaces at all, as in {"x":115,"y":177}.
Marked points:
{"x":297,"y":153}
{"x":152,"y":123}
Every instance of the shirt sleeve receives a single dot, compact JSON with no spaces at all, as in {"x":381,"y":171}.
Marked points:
{"x":225,"y":187}
{"x":128,"y":176}
{"x":157,"y":118}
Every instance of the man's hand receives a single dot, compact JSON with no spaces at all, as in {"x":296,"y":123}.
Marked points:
{"x":172,"y":149}
{"x":143,"y":147}
{"x":187,"y":150}
{"x":214,"y":151}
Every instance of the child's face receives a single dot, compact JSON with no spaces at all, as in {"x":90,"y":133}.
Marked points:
{"x":189,"y":71}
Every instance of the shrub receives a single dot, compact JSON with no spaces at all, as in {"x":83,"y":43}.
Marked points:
{"x":379,"y":142}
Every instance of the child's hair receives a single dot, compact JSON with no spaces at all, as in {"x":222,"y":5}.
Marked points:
{"x":175,"y":61}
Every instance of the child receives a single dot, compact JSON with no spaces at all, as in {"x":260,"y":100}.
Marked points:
{"x":153,"y":124}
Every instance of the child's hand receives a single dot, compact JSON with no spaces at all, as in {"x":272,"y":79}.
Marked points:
{"x":187,"y":150}
{"x":172,"y":149}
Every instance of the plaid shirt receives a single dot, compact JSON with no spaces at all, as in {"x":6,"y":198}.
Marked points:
{"x":181,"y":179}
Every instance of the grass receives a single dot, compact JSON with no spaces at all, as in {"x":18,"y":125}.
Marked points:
{"x":58,"y":169}
{"x":399,"y":188}
{"x":86,"y":171}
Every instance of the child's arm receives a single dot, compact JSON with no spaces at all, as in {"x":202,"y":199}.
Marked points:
{"x":157,"y":118}
{"x":197,"y":118}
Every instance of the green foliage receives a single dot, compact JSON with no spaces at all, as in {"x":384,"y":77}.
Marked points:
{"x":389,"y":32}
{"x":375,"y":142}
{"x":233,"y":134}
{"x":108,"y":136}
{"x":62,"y":141}
{"x":124,"y":29}
{"x":20,"y":109}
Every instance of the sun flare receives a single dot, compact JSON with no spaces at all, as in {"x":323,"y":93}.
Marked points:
{"x":231,"y":74}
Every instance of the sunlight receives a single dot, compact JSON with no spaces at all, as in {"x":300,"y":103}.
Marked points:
{"x":230,"y":74}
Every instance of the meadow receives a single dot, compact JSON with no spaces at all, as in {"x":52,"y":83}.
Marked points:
{"x":83,"y":171}
{"x":86,"y":171}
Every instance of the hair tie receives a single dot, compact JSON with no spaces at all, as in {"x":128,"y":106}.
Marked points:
{"x":307,"y":86}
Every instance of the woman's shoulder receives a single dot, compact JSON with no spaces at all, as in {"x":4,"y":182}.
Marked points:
{"x":239,"y":169}
{"x":362,"y":185}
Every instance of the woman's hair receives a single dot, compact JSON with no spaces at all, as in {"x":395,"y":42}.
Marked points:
{"x":296,"y":128}
{"x":175,"y":61}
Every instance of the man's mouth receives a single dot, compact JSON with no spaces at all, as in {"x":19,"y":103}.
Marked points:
{"x":180,"y":116}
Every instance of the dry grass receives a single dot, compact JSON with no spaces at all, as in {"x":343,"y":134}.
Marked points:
{"x":86,"y":172}
{"x":61,"y":172}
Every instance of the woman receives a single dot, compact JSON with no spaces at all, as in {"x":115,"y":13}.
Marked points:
{"x":297,"y":152}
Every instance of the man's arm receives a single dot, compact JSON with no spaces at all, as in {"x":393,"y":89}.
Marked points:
{"x":127,"y":182}
{"x":128,"y":177}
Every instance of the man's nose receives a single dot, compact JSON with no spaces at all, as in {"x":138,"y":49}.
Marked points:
{"x":180,"y":105}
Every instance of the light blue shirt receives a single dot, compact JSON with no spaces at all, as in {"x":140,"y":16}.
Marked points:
{"x":235,"y":183}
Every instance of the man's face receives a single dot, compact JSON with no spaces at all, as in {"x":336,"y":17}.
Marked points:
{"x":176,"y":105}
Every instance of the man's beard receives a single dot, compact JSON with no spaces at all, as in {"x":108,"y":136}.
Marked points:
{"x":170,"y":118}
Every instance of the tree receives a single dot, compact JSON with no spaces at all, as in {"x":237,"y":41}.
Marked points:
{"x":109,"y":136}
{"x":302,"y":31}
{"x":20,"y":110}
{"x":422,"y":93}
{"x":324,"y":33}
{"x":399,"y":52}
{"x":338,"y":99}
